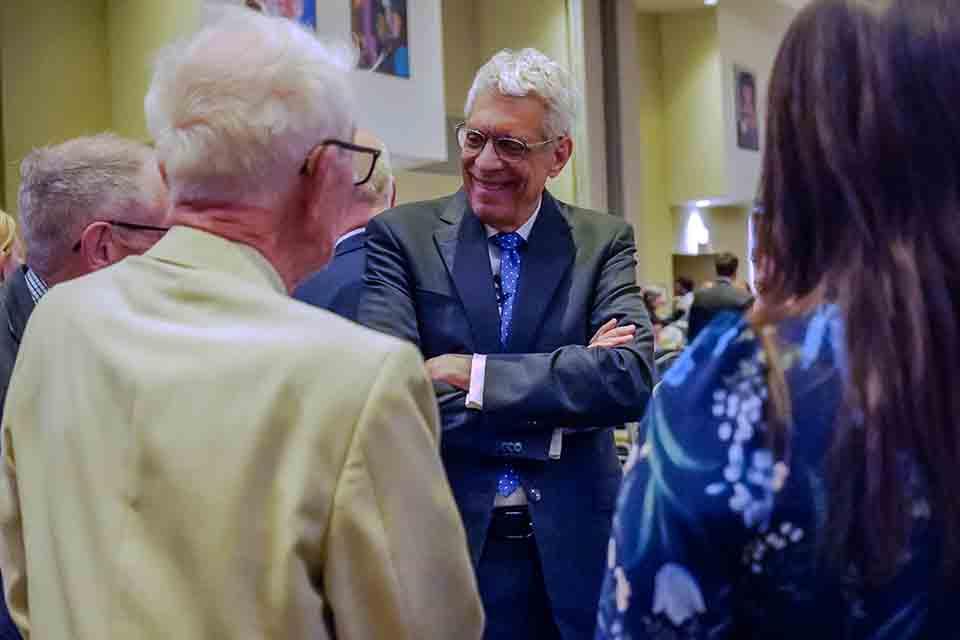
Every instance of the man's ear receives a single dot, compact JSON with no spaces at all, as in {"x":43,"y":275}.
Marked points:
{"x":393,"y":192}
{"x":322,"y":161}
{"x":95,"y":245}
{"x":561,"y":155}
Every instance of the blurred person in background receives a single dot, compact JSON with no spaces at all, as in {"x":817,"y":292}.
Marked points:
{"x":719,"y":296}
{"x":683,"y":289}
{"x":800,"y":474}
{"x":190,"y":453}
{"x":10,"y":247}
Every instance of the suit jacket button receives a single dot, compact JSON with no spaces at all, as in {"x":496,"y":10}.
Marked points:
{"x":535,"y":495}
{"x":533,"y":423}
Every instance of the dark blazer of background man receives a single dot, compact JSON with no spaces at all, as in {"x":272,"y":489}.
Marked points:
{"x":548,"y":400}
{"x":338,"y":286}
{"x":67,"y":235}
{"x":16,"y":305}
{"x":723,"y":296}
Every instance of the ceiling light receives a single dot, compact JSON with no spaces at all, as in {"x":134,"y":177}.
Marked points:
{"x":710,"y":3}
{"x":702,"y":204}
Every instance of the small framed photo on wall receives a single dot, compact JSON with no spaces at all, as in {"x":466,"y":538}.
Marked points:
{"x":745,"y":105}
{"x":380,"y":34}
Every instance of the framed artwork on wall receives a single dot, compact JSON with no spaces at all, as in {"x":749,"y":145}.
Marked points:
{"x":745,"y":108}
{"x":380,"y":34}
{"x":398,"y":83}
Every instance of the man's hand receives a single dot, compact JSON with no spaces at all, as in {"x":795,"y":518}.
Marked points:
{"x":454,"y":369}
{"x":610,"y":335}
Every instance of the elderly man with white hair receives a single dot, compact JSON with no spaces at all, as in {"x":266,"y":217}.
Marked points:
{"x":538,"y":344}
{"x":188,"y":452}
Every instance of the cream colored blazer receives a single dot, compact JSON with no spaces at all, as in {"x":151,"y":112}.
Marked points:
{"x":190,"y":454}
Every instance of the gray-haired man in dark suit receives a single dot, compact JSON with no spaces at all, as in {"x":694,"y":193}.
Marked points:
{"x":537,"y":340}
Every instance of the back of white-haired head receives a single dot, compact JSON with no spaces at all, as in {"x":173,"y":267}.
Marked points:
{"x":529,"y":72}
{"x":63,"y":188}
{"x":237,"y":107}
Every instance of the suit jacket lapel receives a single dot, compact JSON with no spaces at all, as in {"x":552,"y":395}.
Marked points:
{"x":549,"y":254}
{"x":463,"y":247}
{"x":20,"y":303}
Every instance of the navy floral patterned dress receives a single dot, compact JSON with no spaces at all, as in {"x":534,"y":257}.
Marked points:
{"x":714,"y":538}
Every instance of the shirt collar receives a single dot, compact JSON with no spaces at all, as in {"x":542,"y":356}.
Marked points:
{"x":525,"y":229}
{"x":38,"y":288}
{"x":196,"y":248}
{"x":347,"y":235}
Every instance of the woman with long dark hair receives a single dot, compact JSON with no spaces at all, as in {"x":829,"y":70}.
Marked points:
{"x":800,"y":465}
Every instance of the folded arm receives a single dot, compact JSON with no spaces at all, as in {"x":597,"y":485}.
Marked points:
{"x":577,"y":385}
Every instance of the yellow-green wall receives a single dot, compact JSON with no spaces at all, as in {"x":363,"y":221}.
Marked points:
{"x":135,"y":32}
{"x":55,"y":80}
{"x":654,"y":223}
{"x":461,"y":52}
{"x":413,"y":186}
{"x":728,"y":232}
{"x":541,"y":24}
{"x":727,"y":226}
{"x":693,"y":104}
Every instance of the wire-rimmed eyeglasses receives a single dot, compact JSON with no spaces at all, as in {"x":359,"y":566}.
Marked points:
{"x":364,"y":160}
{"x":125,"y":225}
{"x":473,"y":141}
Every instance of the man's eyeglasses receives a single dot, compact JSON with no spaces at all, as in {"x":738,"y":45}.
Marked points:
{"x":364,"y":160}
{"x":126,"y":225}
{"x":508,"y":149}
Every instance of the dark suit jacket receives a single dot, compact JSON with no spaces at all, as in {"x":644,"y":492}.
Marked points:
{"x":708,"y":303}
{"x":16,"y":305}
{"x":428,"y":280}
{"x":337,"y":287}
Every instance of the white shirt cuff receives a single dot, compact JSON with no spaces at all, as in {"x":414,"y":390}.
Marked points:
{"x":478,"y":371}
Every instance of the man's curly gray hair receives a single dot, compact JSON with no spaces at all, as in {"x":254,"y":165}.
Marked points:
{"x":529,"y":72}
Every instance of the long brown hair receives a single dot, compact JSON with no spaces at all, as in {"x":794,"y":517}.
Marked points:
{"x":860,"y":203}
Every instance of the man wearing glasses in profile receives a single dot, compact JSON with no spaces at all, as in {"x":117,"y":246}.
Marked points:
{"x":189,"y":452}
{"x":84,"y":205}
{"x":537,"y":341}
{"x":337,"y":287}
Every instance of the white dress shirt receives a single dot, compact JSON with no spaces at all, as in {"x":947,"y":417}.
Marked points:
{"x":38,"y":288}
{"x":348,"y":234}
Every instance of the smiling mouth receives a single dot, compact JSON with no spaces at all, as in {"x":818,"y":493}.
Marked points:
{"x":492,"y":186}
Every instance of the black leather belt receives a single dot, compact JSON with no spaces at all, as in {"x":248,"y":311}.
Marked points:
{"x":511,"y":523}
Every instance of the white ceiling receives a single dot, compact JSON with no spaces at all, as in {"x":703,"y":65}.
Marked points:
{"x":660,"y":6}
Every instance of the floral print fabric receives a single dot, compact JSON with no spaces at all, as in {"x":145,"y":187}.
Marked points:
{"x":716,"y":538}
